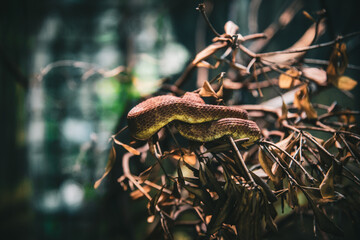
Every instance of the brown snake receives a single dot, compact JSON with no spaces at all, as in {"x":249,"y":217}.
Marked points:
{"x":193,"y":119}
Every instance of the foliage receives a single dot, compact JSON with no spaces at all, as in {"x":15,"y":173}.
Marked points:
{"x":307,"y":149}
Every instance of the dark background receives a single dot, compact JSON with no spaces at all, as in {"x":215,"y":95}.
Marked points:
{"x":54,"y":132}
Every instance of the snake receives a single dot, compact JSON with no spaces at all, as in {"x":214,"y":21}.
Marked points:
{"x":193,"y":119}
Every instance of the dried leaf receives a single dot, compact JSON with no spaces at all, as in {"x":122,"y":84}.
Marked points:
{"x":287,"y":79}
{"x":315,"y":74}
{"x":138,"y":194}
{"x":344,"y":83}
{"x":154,"y":201}
{"x":302,"y":102}
{"x":188,"y":157}
{"x":338,"y":60}
{"x":208,"y":51}
{"x":322,"y":220}
{"x":308,"y":16}
{"x":207,"y":90}
{"x":127,"y":147}
{"x":109,"y":165}
{"x":267,"y":164}
{"x":304,"y":41}
{"x":327,"y":185}
{"x":208,"y":65}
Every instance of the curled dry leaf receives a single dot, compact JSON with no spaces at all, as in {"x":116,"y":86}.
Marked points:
{"x":327,"y":185}
{"x":317,"y":75}
{"x":127,"y":147}
{"x":207,"y":91}
{"x":338,"y":60}
{"x":302,"y":102}
{"x":337,"y":65}
{"x":287,"y":79}
{"x":109,"y":165}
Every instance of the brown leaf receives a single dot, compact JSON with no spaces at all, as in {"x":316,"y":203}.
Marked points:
{"x":127,"y":147}
{"x":302,"y":102}
{"x":136,"y":194}
{"x":109,"y":165}
{"x":338,"y":60}
{"x":207,"y":90}
{"x":287,"y":79}
{"x":209,"y":50}
{"x":344,"y":83}
{"x":315,"y":74}
{"x":304,"y":41}
{"x":327,"y":185}
{"x":208,"y":65}
{"x":267,"y":164}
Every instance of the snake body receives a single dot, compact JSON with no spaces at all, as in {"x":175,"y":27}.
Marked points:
{"x":193,"y":119}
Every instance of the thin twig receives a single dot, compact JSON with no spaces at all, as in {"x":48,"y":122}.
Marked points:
{"x":201,"y":8}
{"x":304,"y":49}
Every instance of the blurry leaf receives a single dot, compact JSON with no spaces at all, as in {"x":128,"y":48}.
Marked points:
{"x":344,"y":83}
{"x":347,"y":119}
{"x":208,"y":65}
{"x":287,"y":79}
{"x":136,"y":194}
{"x":109,"y":165}
{"x":231,"y":28}
{"x":327,"y":185}
{"x":338,"y":60}
{"x":188,"y":157}
{"x":208,"y":51}
{"x":302,"y":102}
{"x":150,"y":219}
{"x":308,"y":16}
{"x":316,"y":74}
{"x":127,"y":147}
{"x":207,"y":90}
{"x":284,"y":111}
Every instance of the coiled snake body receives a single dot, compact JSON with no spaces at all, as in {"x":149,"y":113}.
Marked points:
{"x":193,"y":119}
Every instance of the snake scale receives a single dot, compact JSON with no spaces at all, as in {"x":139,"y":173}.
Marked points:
{"x":193,"y":119}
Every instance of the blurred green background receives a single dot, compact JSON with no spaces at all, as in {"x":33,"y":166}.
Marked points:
{"x":56,"y":119}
